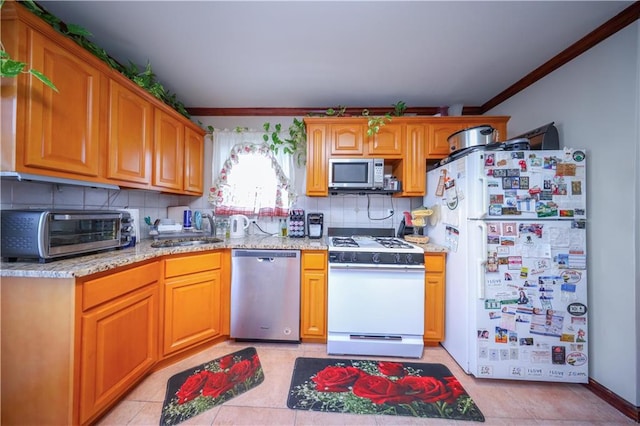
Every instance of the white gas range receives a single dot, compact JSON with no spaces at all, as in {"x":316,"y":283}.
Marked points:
{"x":376,"y":294}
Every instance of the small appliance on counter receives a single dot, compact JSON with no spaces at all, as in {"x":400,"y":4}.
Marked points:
{"x":48,"y":234}
{"x":315,"y":224}
{"x":296,"y":223}
{"x":238,"y":224}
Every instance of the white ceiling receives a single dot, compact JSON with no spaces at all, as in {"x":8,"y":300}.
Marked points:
{"x":240,"y":54}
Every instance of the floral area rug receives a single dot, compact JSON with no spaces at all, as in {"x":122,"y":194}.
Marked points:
{"x":379,"y":387}
{"x":203,"y":387}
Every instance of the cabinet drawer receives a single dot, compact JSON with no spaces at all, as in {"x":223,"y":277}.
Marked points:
{"x":95,"y":292}
{"x":434,"y":263}
{"x":191,"y":264}
{"x":314,"y":260}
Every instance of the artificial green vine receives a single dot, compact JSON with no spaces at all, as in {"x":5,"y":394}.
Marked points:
{"x":146,"y":79}
{"x":12,"y":68}
{"x":295,"y":144}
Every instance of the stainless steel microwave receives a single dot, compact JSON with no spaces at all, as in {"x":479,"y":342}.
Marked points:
{"x":49,"y":234}
{"x":356,"y":173}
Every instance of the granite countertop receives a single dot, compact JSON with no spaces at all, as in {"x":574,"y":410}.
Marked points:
{"x":99,"y":262}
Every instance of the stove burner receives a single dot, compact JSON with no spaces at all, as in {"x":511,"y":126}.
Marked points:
{"x":344,"y":242}
{"x":387,"y":242}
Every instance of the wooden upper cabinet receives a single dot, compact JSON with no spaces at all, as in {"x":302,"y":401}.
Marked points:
{"x":406,"y":143}
{"x":414,"y":164}
{"x":99,"y":127}
{"x":439,"y":131}
{"x":438,"y":145}
{"x":61,"y":129}
{"x":130,"y":136}
{"x":317,"y":173}
{"x":347,"y":137}
{"x":169,"y":151}
{"x":193,"y":161}
{"x":388,"y":142}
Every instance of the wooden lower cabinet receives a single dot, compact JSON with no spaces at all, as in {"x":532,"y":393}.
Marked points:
{"x":192,"y":300}
{"x":434,"y":294}
{"x":313,"y":297}
{"x":119,"y":324}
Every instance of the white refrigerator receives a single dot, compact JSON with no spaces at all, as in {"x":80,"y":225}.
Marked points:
{"x":516,"y":279}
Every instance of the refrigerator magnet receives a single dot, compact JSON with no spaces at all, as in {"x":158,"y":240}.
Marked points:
{"x":440,"y":187}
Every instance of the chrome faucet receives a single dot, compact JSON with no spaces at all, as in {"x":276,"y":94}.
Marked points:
{"x":212,"y":224}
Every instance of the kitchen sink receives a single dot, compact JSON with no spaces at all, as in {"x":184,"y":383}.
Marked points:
{"x":185,"y":242}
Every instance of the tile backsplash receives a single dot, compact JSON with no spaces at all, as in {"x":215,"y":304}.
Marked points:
{"x":339,"y":210}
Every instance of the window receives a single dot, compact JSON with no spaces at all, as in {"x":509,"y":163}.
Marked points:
{"x":251,"y":180}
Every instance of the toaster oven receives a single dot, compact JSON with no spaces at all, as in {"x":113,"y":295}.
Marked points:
{"x":50,"y":234}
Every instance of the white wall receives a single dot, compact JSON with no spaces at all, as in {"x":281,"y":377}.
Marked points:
{"x":594,"y":101}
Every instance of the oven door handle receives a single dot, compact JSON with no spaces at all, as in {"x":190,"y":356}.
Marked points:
{"x":374,"y":267}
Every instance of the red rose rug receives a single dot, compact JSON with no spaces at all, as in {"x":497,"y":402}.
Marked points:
{"x":379,"y":387}
{"x":203,"y":387}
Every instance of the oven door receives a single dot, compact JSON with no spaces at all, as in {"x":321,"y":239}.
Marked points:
{"x":369,"y":301}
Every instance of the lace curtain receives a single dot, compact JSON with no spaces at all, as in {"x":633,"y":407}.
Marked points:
{"x":248,"y":178}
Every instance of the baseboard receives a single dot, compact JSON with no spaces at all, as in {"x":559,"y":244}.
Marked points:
{"x":614,"y":400}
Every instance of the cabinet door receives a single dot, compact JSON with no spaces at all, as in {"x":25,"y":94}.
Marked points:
{"x":192,"y":310}
{"x":434,"y":297}
{"x":62,"y":129}
{"x":130,"y":135}
{"x":347,"y":138}
{"x":317,"y":178}
{"x":168,"y":144}
{"x":437,"y":144}
{"x":119,"y":345}
{"x":387,"y":142}
{"x":414,"y":163}
{"x":193,"y":161}
{"x":313,"y":321}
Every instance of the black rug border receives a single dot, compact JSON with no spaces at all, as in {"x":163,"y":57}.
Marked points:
{"x":443,"y":371}
{"x":179,"y":378}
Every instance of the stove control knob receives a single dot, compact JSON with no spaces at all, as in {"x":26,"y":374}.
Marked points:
{"x":341,"y":257}
{"x":375,"y":257}
{"x":354,"y":257}
{"x":409,"y":258}
{"x":397,"y":258}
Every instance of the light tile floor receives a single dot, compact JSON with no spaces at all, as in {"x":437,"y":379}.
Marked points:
{"x":502,"y":402}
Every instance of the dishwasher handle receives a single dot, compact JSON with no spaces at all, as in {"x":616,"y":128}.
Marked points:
{"x":265,"y":254}
{"x":266,"y":259}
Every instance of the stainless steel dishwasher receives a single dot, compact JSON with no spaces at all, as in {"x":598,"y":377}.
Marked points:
{"x":265,"y":294}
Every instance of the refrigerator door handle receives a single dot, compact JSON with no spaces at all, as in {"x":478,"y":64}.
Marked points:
{"x":485,"y":197}
{"x":482,"y":260}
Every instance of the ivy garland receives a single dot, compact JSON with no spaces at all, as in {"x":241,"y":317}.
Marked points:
{"x":146,"y":78}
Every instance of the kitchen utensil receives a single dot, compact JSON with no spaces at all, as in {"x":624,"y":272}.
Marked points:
{"x":472,"y":136}
{"x":238,"y":223}
{"x":197,"y":220}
